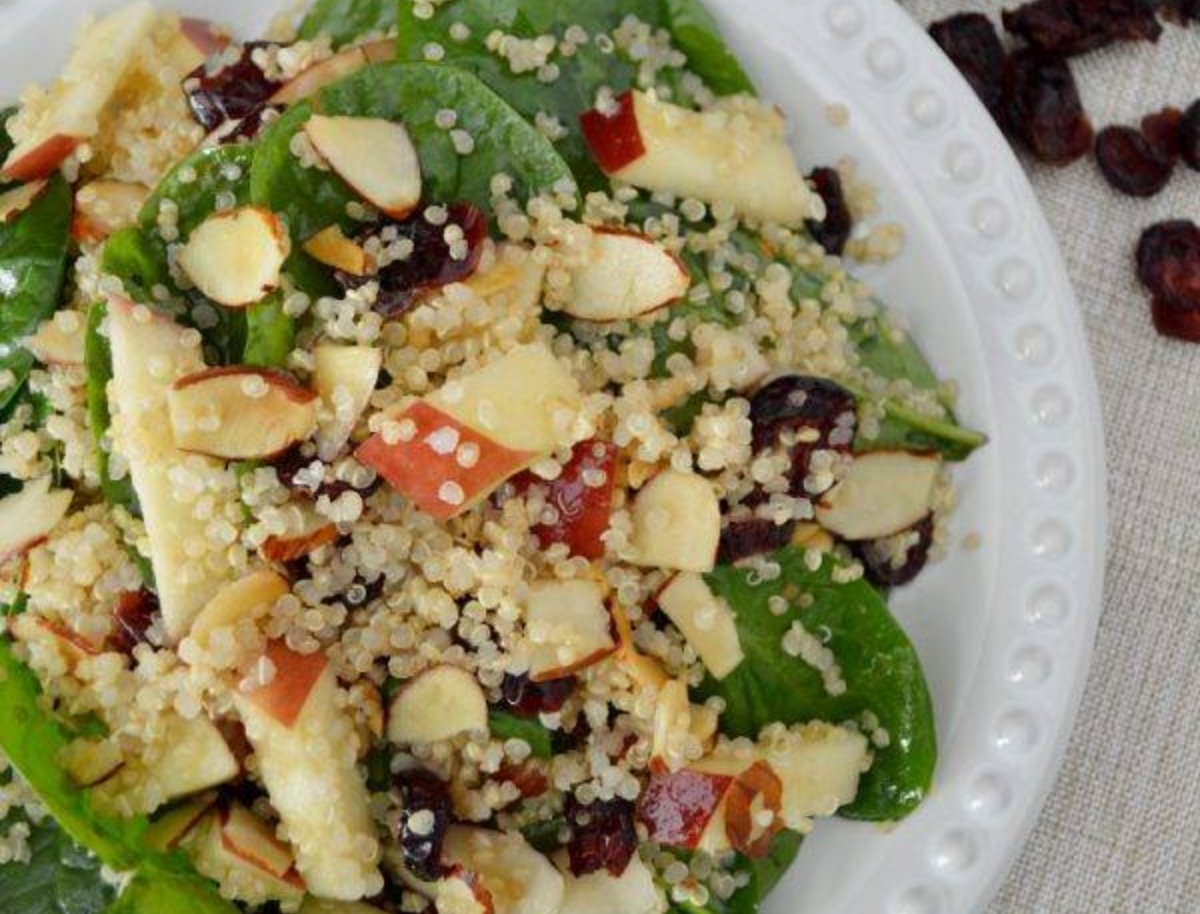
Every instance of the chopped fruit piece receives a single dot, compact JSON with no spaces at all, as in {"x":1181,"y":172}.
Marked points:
{"x":249,"y":598}
{"x":603,"y":835}
{"x":1168,"y":264}
{"x":344,"y":377}
{"x":230,"y":92}
{"x":71,"y":110}
{"x":319,"y":75}
{"x":833,"y":231}
{"x":380,"y":51}
{"x":819,"y":765}
{"x":171,"y":829}
{"x":313,"y":755}
{"x":28,"y":517}
{"x":882,"y":493}
{"x":245,"y":834}
{"x":705,"y":620}
{"x":374,"y":156}
{"x":672,"y":720}
{"x":296,"y":677}
{"x":241,"y":879}
{"x":744,"y":537}
{"x":235,"y":256}
{"x":1131,"y":163}
{"x":972,"y":44}
{"x":437,"y":704}
{"x":568,"y":627}
{"x":132,"y":619}
{"x":896,"y":560}
{"x":195,"y":757}
{"x":753,"y":810}
{"x":1067,"y":27}
{"x":332,"y":248}
{"x":238,"y":412}
{"x":676,"y":523}
{"x":314,"y":905}
{"x":676,"y":807}
{"x":516,"y":878}
{"x":89,"y":762}
{"x":59,"y":340}
{"x":16,"y":200}
{"x":528,"y":698}
{"x":580,"y":499}
{"x":1189,"y":135}
{"x":734,"y":153}
{"x":284,"y":549}
{"x":202,"y":35}
{"x":626,"y":275}
{"x":600,"y":892}
{"x":103,"y":207}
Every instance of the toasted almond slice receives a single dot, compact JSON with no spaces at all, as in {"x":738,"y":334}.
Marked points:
{"x":882,"y":493}
{"x":319,"y":75}
{"x":437,"y":704}
{"x":235,"y":256}
{"x":374,"y":156}
{"x":239,"y":412}
{"x":16,"y":200}
{"x":332,"y":248}
{"x":284,"y":549}
{"x":627,"y":275}
{"x":28,"y":517}
{"x":344,"y":378}
{"x":250,"y":597}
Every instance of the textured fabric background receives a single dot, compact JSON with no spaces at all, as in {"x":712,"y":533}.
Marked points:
{"x":1121,"y":831}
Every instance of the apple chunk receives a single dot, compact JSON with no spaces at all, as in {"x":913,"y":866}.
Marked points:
{"x":238,"y":412}
{"x":237,"y":862}
{"x":705,"y":620}
{"x":71,"y":110}
{"x":250,"y":598}
{"x":437,"y":704}
{"x":235,"y":256}
{"x":676,"y":807}
{"x":819,"y":765}
{"x":515,"y":878}
{"x":374,"y":156}
{"x":296,"y":676}
{"x":103,"y":207}
{"x":568,"y":626}
{"x":676,"y":523}
{"x":194,"y":757}
{"x":29,"y":516}
{"x":633,"y":892}
{"x":59,"y":340}
{"x":735,"y":152}
{"x":626,"y":275}
{"x":173,"y":827}
{"x":882,"y":493}
{"x":344,"y":377}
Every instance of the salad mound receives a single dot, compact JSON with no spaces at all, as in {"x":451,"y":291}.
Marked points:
{"x":442,"y":469}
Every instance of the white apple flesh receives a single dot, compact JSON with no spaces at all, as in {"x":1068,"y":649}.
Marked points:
{"x":29,"y":516}
{"x":633,"y":892}
{"x":676,"y":523}
{"x":437,"y":704}
{"x":568,"y":627}
{"x":59,"y":340}
{"x":882,"y":493}
{"x":16,"y":200}
{"x":517,"y":878}
{"x":705,"y":621}
{"x":344,"y":377}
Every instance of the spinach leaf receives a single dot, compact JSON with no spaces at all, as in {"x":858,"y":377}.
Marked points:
{"x":583,"y":73}
{"x":130,"y":256}
{"x":765,"y":872}
{"x":159,"y":892}
{"x":59,"y":878}
{"x":879,"y":665}
{"x":194,"y":185}
{"x":504,"y":726}
{"x":270,"y":333}
{"x":311,"y":199}
{"x":33,"y":259}
{"x":345,"y":20}
{"x":97,"y":361}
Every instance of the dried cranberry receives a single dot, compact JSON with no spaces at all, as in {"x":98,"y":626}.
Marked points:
{"x":1168,"y":261}
{"x":422,"y":792}
{"x":1066,"y":27}
{"x":972,"y":44}
{"x":430,"y":265}
{"x":833,"y":231}
{"x":1042,"y":107}
{"x":230,"y":92}
{"x":603,"y":836}
{"x":523,"y":696}
{"x":132,"y":619}
{"x":289,"y":465}
{"x":877,"y":559}
{"x":1131,"y":163}
{"x":1161,"y":130}
{"x":1189,"y":136}
{"x":741,"y":539}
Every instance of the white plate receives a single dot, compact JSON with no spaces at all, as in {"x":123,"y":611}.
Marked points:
{"x":1005,"y":631}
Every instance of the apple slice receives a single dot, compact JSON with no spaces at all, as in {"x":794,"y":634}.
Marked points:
{"x":71,"y":110}
{"x":29,"y":516}
{"x":582,"y":498}
{"x":245,"y":834}
{"x":734,"y":153}
{"x":516,"y":878}
{"x":194,"y":757}
{"x":676,"y":807}
{"x":16,"y":200}
{"x":332,"y":248}
{"x":89,"y":762}
{"x":626,"y":275}
{"x":237,"y":869}
{"x":882,"y":493}
{"x":59,"y":340}
{"x":706,"y":621}
{"x":235,"y":256}
{"x":633,"y":892}
{"x":307,"y":760}
{"x":239,"y":412}
{"x":437,"y":704}
{"x":149,"y":352}
{"x":676,"y":523}
{"x":819,"y":765}
{"x":672,"y":718}
{"x":374,"y":156}
{"x":172,"y":828}
{"x":102,"y":207}
{"x":568,"y":626}
{"x":321,"y":74}
{"x":344,"y":377}
{"x":250,"y":597}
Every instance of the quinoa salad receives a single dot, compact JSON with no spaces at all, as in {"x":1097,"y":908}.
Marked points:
{"x":447,"y":464}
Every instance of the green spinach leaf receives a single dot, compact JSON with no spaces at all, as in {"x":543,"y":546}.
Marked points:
{"x":270,"y":333}
{"x":59,"y":878}
{"x":97,"y":361}
{"x":130,"y":256}
{"x":879,"y":665}
{"x":166,"y":892}
{"x":194,"y":186}
{"x":765,"y":872}
{"x":506,"y":726}
{"x":345,"y":20}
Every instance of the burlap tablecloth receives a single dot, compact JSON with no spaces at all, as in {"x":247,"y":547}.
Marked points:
{"x":1121,"y":831}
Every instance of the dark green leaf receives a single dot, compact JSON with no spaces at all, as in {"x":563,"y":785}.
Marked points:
{"x":545,"y":835}
{"x":696,"y":34}
{"x":345,"y":20}
{"x":158,"y":892}
{"x":270,"y":333}
{"x":97,"y":361}
{"x":130,"y":256}
{"x":765,"y":872}
{"x":505,"y":726}
{"x":194,"y":184}
{"x":58,"y":879}
{"x":879,"y":665}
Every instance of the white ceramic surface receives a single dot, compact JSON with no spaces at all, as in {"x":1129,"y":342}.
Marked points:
{"x":1005,"y":630}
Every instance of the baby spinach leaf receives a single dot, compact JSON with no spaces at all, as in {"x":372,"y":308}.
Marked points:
{"x":130,"y":256}
{"x":345,"y":20}
{"x":97,"y":361}
{"x":194,"y":185}
{"x":311,"y":199}
{"x":505,"y":726}
{"x":879,"y":665}
{"x":59,"y":878}
{"x":33,"y":259}
{"x":583,"y":73}
{"x":765,"y":872}
{"x":154,"y":891}
{"x":270,"y":333}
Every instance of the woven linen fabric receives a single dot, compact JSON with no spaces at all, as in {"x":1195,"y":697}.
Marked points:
{"x":1120,"y":833}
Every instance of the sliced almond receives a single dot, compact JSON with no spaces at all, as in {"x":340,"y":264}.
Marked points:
{"x":334,"y":249}
{"x":676,"y":523}
{"x":28,"y":517}
{"x":626,"y":275}
{"x":882,"y":493}
{"x":438,"y":704}
{"x":374,"y":156}
{"x":319,"y":75}
{"x":235,"y":256}
{"x":568,"y":626}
